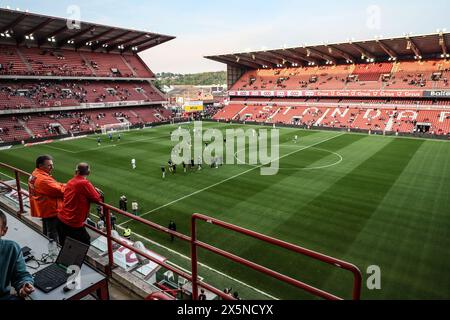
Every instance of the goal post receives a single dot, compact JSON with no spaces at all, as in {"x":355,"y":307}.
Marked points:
{"x":117,"y":127}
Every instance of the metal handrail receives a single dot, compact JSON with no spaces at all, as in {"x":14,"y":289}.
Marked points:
{"x":357,"y":282}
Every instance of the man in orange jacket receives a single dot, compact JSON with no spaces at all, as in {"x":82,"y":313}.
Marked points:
{"x":46,"y":196}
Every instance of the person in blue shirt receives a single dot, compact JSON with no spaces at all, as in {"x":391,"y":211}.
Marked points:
{"x":13,"y":270}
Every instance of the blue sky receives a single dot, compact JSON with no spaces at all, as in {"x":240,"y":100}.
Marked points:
{"x":205,"y":27}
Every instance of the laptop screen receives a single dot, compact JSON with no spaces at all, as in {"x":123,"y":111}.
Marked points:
{"x":73,"y":253}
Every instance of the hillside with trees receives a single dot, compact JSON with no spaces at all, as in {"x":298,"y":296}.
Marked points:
{"x":197,"y":79}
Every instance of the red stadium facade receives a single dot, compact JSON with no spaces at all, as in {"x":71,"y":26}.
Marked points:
{"x":390,"y":86}
{"x":60,"y":77}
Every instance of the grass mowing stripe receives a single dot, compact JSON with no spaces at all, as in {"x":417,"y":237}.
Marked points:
{"x":355,"y":198}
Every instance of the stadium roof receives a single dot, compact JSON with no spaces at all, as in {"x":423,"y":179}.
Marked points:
{"x":389,"y":49}
{"x":24,"y":28}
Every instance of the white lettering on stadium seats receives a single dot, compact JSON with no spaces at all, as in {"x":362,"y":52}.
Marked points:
{"x":370,"y":115}
{"x":307,"y":110}
{"x":444,"y":116}
{"x":404,"y":114}
{"x":338,"y":111}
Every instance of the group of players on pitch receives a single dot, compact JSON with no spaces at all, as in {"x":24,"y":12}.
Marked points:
{"x":193,"y":165}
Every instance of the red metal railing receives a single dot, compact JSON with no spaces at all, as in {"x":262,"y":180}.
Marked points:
{"x":193,"y":277}
{"x":110,"y":239}
{"x":20,"y":192}
{"x":315,"y":255}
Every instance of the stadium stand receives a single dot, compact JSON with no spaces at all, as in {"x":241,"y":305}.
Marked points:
{"x":39,"y":94}
{"x":354,"y":86}
{"x":44,"y":82}
{"x":56,"y":62}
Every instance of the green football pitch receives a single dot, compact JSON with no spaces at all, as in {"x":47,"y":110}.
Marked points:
{"x":369,"y":200}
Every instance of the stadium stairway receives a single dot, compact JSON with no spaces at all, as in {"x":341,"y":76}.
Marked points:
{"x":390,"y":124}
{"x":88,"y":64}
{"x":24,"y":61}
{"x":24,"y":125}
{"x":129,"y":67}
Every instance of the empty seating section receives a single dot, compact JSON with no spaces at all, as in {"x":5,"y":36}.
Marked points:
{"x":332,"y":78}
{"x":40,"y":94}
{"x":12,"y":130}
{"x":107,"y":65}
{"x":422,"y":75}
{"x":10,"y":61}
{"x":372,"y":72}
{"x":374,"y":76}
{"x":229,"y":113}
{"x":13,"y":101}
{"x":139,"y":67}
{"x":55,"y":62}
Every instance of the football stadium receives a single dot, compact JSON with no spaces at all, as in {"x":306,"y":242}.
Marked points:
{"x":356,"y":134}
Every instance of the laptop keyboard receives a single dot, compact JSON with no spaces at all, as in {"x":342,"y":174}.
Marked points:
{"x":50,"y":278}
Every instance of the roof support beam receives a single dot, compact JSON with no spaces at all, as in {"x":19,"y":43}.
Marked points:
{"x":140,"y":43}
{"x":42,"y":40}
{"x":303,"y":57}
{"x":343,"y":54}
{"x":13,"y":23}
{"x":258,"y":58}
{"x":231,"y":62}
{"x":364,"y":52}
{"x":443,"y":44}
{"x":249,"y":63}
{"x":125,"y":42}
{"x":258,"y":63}
{"x":155,"y":42}
{"x":80,"y":44}
{"x":34,"y":29}
{"x":109,"y":41}
{"x":282,"y":59}
{"x":410,"y":45}
{"x":322,"y":55}
{"x":386,"y":49}
{"x":291,"y":57}
{"x":73,"y":37}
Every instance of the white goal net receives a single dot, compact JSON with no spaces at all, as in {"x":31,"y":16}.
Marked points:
{"x":118,"y":127}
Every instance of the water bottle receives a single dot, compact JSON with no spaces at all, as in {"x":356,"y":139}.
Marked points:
{"x":52,"y":249}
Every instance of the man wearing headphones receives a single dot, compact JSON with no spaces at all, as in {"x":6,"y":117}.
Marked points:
{"x":78,"y":196}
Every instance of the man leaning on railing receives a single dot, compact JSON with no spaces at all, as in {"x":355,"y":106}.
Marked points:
{"x":78,"y":196}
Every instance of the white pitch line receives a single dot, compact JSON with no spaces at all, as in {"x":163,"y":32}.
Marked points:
{"x":105,"y":147}
{"x":199,"y":263}
{"x":231,"y":178}
{"x":56,"y":148}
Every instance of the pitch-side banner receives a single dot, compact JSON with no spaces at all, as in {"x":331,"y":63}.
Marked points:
{"x":331,"y":93}
{"x":193,"y":106}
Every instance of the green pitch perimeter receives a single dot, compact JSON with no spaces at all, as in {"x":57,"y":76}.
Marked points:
{"x":369,"y":200}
